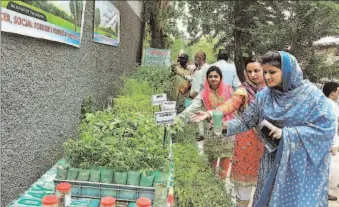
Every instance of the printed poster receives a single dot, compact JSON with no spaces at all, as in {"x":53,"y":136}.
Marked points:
{"x":60,"y":21}
{"x":106,"y":28}
{"x":157,"y":57}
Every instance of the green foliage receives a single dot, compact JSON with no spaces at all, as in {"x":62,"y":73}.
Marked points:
{"x":160,"y":18}
{"x":321,"y":69}
{"x":137,"y":103}
{"x":194,"y":181}
{"x":160,"y":79}
{"x":124,"y":137}
{"x":259,"y":26}
{"x":136,"y":85}
{"x":205,"y":44}
{"x":124,"y":141}
{"x":87,"y":106}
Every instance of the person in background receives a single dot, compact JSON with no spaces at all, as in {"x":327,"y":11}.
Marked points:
{"x":182,"y":86}
{"x":198,"y":75}
{"x":197,"y":81}
{"x":228,"y":70}
{"x":331,"y":91}
{"x":214,"y":94}
{"x":248,"y":148}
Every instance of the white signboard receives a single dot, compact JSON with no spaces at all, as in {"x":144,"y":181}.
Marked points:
{"x":168,"y":106}
{"x":165,"y":117}
{"x":159,"y":99}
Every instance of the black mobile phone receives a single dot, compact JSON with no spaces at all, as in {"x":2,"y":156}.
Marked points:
{"x":266,"y":131}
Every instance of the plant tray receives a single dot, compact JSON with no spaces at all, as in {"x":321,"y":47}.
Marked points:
{"x":96,"y":190}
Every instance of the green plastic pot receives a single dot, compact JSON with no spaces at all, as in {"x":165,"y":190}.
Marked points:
{"x":120,"y":178}
{"x":133,"y":178}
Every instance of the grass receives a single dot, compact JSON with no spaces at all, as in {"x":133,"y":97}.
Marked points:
{"x":50,"y":17}
{"x":99,"y":31}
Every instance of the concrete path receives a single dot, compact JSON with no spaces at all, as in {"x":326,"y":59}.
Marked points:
{"x":333,"y":188}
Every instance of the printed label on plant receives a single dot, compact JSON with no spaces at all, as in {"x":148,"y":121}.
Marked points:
{"x":159,"y":99}
{"x":168,"y":106}
{"x":166,"y":117}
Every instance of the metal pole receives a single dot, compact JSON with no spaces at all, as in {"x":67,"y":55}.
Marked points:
{"x":164,"y":139}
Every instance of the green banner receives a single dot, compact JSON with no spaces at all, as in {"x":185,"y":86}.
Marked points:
{"x":60,"y":21}
{"x":157,"y":57}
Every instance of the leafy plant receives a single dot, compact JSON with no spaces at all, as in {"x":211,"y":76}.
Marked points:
{"x":194,"y":180}
{"x":125,"y":137}
{"x":160,"y":79}
{"x":86,"y":106}
{"x":137,"y":103}
{"x":124,"y":141}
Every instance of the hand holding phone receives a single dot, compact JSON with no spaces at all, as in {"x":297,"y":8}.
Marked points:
{"x":266,"y":131}
{"x":270,"y":130}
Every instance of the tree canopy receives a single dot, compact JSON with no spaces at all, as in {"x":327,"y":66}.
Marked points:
{"x":246,"y":28}
{"x":254,"y":27}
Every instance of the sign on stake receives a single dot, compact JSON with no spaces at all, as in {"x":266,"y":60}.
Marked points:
{"x":159,"y":99}
{"x":168,"y":106}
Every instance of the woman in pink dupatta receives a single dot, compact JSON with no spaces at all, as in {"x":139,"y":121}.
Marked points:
{"x":214,"y":94}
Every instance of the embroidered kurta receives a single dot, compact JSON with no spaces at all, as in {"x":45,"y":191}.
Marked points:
{"x":214,"y":146}
{"x":248,"y":147}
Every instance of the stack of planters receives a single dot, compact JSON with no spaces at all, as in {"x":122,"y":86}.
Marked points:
{"x":127,"y":186}
{"x":119,"y":146}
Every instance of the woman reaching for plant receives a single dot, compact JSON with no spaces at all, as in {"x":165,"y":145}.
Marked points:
{"x":214,"y":94}
{"x":294,"y":171}
{"x":248,"y":147}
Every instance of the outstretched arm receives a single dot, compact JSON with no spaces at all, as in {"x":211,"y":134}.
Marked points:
{"x":230,"y":106}
{"x":248,"y":120}
{"x":196,"y":105}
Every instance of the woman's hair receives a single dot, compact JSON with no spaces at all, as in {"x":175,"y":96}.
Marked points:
{"x":216,"y":69}
{"x":272,"y":58}
{"x":251,"y":60}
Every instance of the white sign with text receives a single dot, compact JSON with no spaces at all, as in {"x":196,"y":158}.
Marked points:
{"x":159,"y":99}
{"x":168,"y":106}
{"x":165,"y":117}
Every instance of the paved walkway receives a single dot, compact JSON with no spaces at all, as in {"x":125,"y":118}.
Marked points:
{"x":333,"y":188}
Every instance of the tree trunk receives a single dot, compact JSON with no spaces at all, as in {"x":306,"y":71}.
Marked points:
{"x":157,"y":36}
{"x":157,"y":17}
{"x":242,"y":37}
{"x":238,"y":58}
